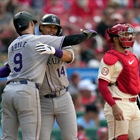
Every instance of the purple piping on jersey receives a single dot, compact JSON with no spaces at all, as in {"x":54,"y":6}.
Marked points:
{"x":37,"y":115}
{"x":61,"y":42}
{"x":50,"y":80}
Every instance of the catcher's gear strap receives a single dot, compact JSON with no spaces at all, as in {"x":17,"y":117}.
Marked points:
{"x":109,"y":58}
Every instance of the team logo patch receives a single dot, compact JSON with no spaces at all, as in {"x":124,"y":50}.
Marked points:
{"x":105,"y":71}
{"x":53,"y":18}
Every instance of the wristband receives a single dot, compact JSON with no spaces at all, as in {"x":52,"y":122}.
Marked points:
{"x":58,"y":53}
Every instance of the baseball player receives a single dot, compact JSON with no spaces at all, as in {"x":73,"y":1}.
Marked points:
{"x":119,"y":85}
{"x":56,"y":102}
{"x":20,"y":98}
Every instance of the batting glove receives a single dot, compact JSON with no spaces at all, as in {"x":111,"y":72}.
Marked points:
{"x":90,"y":33}
{"x":44,"y":48}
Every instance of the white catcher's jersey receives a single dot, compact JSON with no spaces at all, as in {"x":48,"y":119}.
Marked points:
{"x":56,"y":76}
{"x":25,"y":62}
{"x":110,"y":74}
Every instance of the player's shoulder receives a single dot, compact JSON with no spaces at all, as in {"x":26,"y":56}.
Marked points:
{"x":110,"y":58}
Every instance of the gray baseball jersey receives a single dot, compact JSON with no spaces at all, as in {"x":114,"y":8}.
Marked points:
{"x":59,"y":108}
{"x":20,"y":98}
{"x":27,"y":63}
{"x":56,"y":76}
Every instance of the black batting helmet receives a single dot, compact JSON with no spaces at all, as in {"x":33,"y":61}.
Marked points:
{"x":51,"y":19}
{"x":21,"y":20}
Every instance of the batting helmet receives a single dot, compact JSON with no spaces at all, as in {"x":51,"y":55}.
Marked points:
{"x":122,"y":30}
{"x":21,"y":20}
{"x":51,"y":19}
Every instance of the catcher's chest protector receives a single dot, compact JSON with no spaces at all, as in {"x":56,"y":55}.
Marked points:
{"x":128,"y":80}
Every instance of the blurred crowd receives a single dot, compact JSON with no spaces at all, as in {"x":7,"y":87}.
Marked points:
{"x":74,"y":15}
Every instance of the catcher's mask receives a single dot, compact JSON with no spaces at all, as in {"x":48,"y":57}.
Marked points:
{"x":124,"y":31}
{"x":21,"y":20}
{"x":51,"y":19}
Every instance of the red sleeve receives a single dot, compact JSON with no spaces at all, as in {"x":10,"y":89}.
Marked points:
{"x":103,"y":88}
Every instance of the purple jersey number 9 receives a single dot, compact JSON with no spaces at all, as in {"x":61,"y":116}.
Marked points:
{"x":18,"y":62}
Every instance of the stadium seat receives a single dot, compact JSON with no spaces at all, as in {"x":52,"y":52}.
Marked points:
{"x":103,"y":123}
{"x":56,"y":134}
{"x":91,"y":133}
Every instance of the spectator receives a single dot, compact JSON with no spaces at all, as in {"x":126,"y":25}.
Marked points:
{"x":91,"y":117}
{"x":136,"y":46}
{"x":87,"y":91}
{"x":57,"y":7}
{"x":6,"y":27}
{"x":82,"y":11}
{"x":106,"y":22}
{"x":129,"y":17}
{"x":11,"y":6}
{"x":74,"y":81}
{"x":102,"y":26}
{"x":25,"y":2}
{"x":78,"y":60}
{"x":82,"y":133}
{"x":102,"y":133}
{"x":123,"y":3}
{"x":116,"y":18}
{"x":100,"y":104}
{"x":79,"y":107}
{"x":82,"y":8}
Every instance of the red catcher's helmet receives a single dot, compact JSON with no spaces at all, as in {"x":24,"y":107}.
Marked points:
{"x":123,"y":31}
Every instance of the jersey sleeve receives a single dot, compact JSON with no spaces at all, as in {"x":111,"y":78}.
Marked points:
{"x":105,"y":71}
{"x":53,"y":41}
{"x":69,"y":48}
{"x":105,"y":92}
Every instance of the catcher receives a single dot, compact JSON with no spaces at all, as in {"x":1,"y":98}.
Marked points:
{"x":119,"y":85}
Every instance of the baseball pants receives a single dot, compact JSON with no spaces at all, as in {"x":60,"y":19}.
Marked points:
{"x":62,"y":109}
{"x":131,"y":123}
{"x":21,"y":107}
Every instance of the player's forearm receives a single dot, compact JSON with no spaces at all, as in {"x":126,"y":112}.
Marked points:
{"x":74,"y":39}
{"x":4,"y":71}
{"x":67,"y":56}
{"x":64,"y":55}
{"x":103,"y":88}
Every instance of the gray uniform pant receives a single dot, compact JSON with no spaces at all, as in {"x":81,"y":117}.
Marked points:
{"x":62,"y":109}
{"x":21,"y":107}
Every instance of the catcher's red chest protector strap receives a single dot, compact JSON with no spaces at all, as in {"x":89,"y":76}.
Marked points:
{"x":128,"y":80}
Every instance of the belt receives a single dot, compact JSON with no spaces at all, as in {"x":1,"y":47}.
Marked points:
{"x":134,"y":99}
{"x":57,"y":93}
{"x":24,"y":82}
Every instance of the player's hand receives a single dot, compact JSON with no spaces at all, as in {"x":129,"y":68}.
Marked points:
{"x":117,"y":112}
{"x":44,"y":48}
{"x":90,"y":33}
